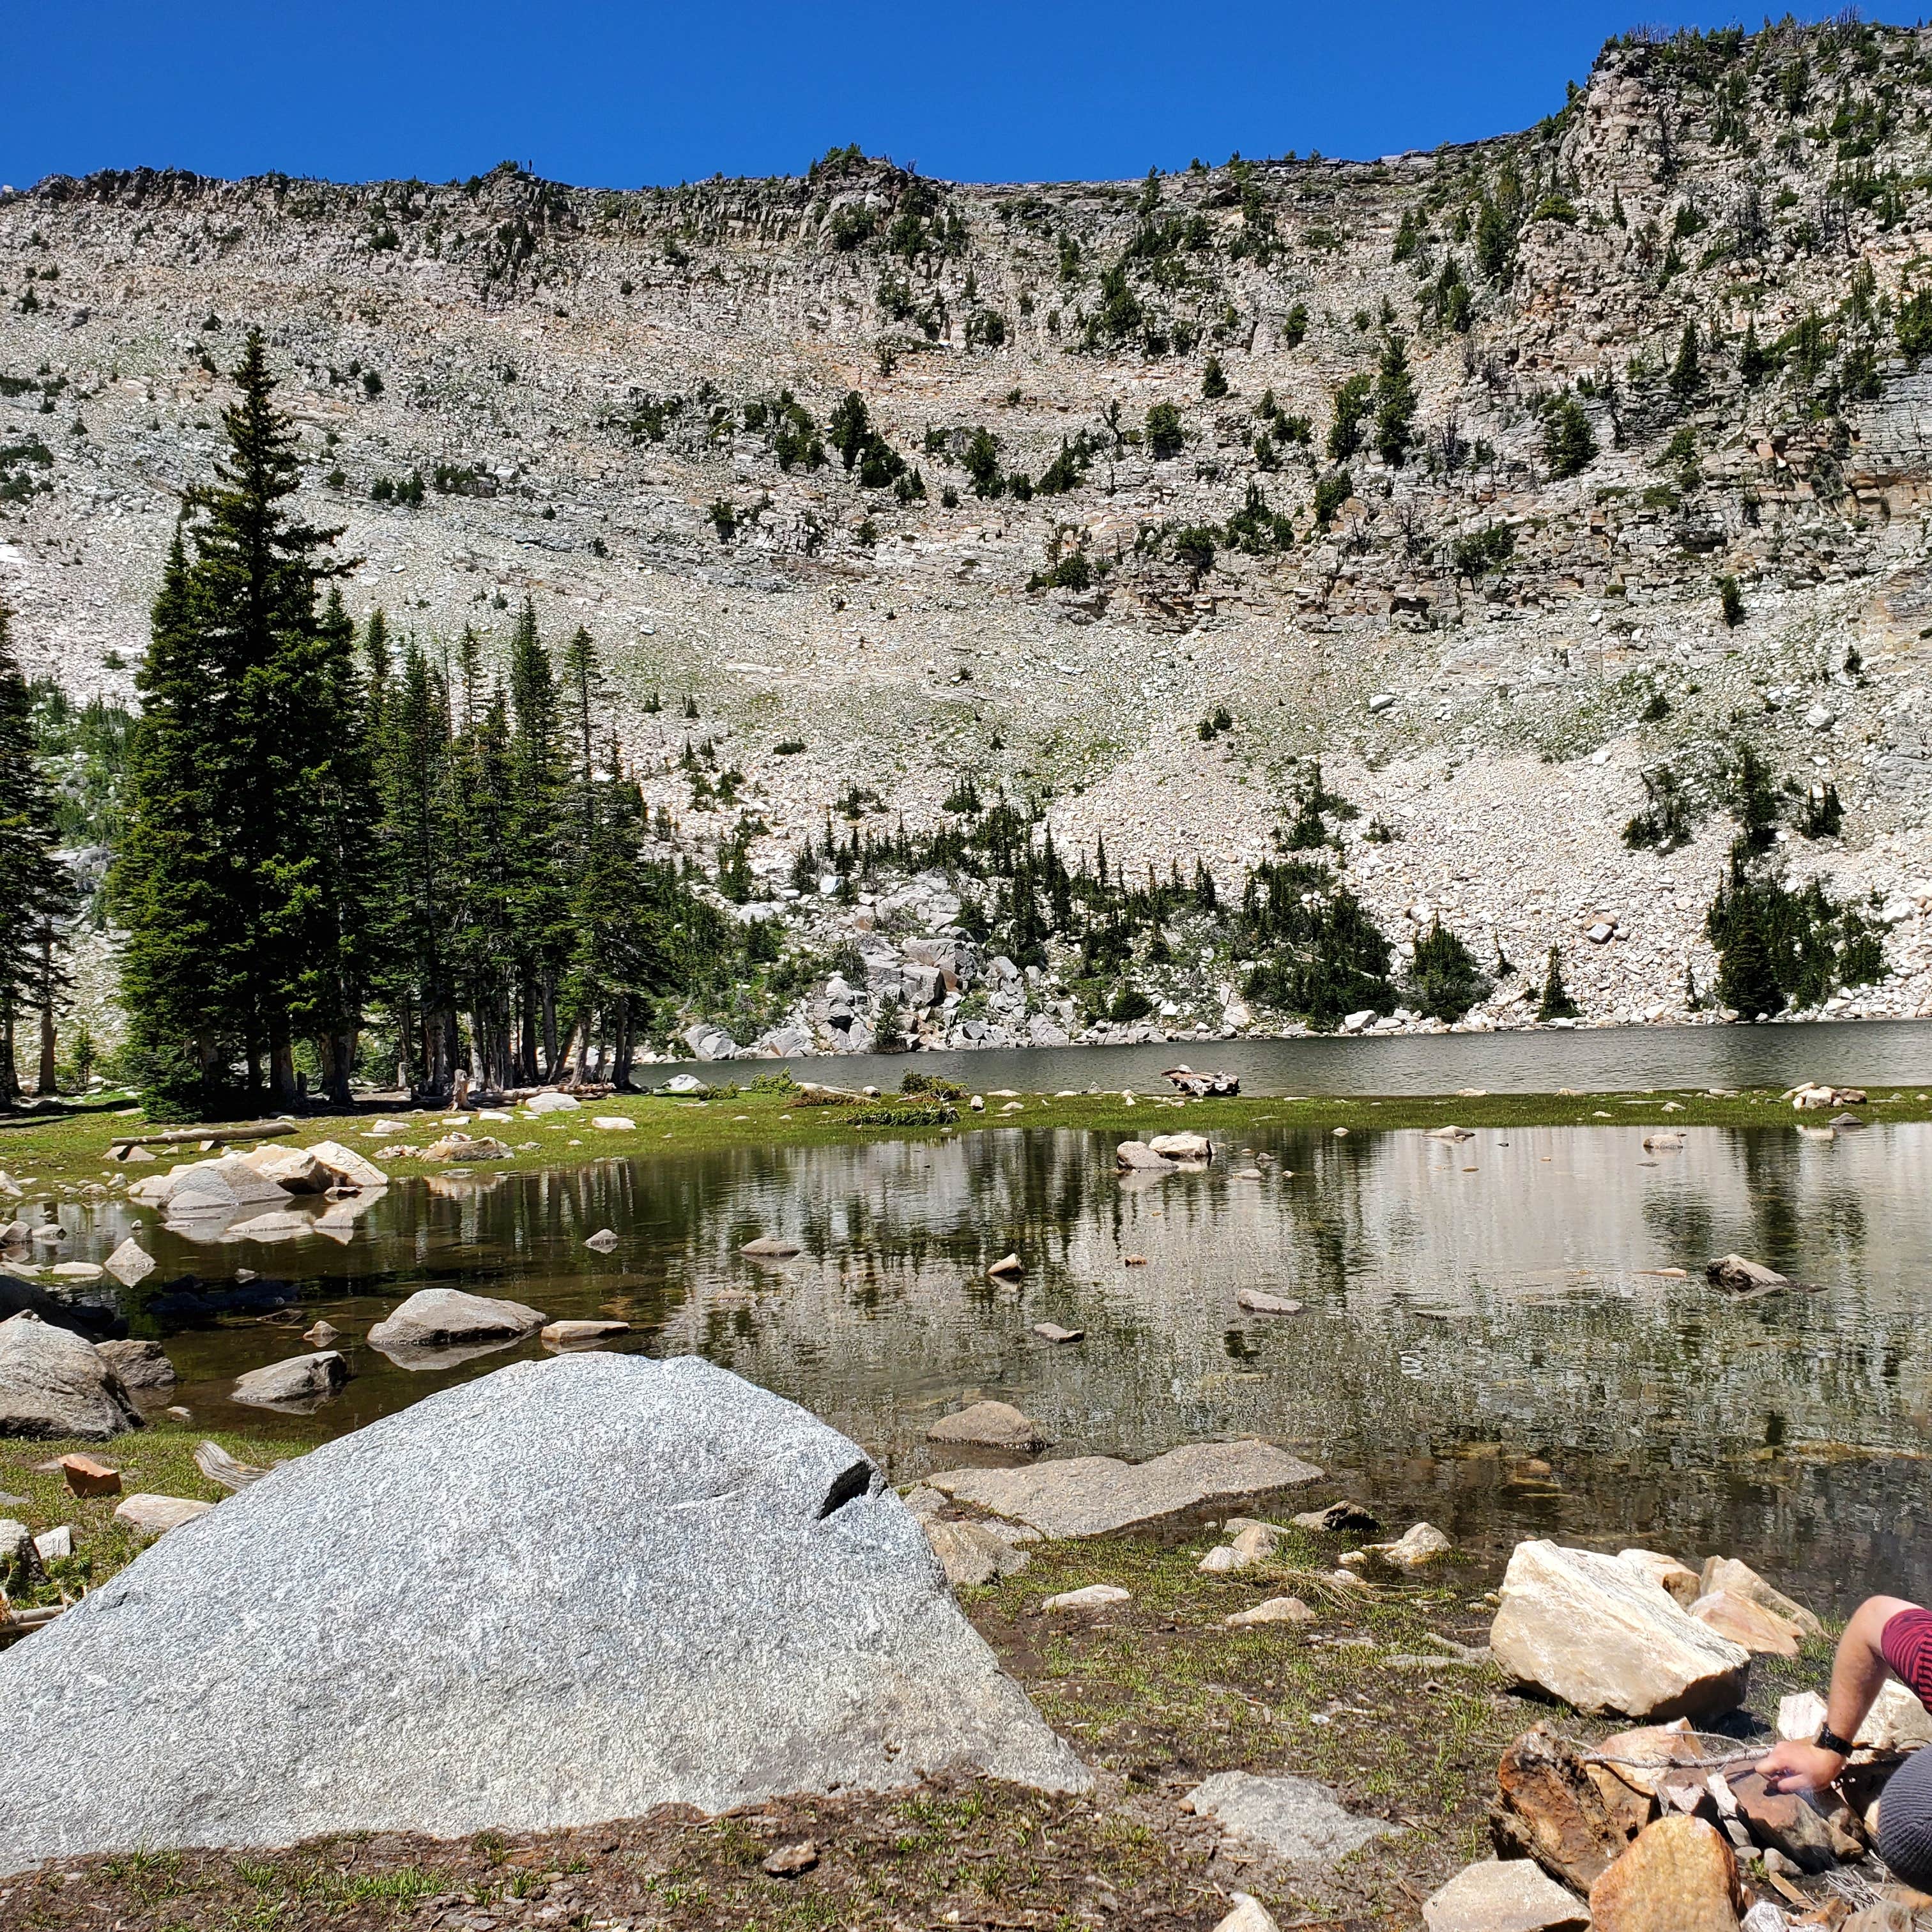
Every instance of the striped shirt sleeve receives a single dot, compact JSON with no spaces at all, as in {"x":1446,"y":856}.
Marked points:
{"x":1906,"y":1643}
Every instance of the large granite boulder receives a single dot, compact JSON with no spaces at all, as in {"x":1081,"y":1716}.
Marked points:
{"x":54,"y":1384}
{"x":565,"y":1592}
{"x":1604,"y":1635}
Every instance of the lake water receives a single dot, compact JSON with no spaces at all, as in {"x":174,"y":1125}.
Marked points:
{"x":1473,"y":1310}
{"x":1595,"y":1059}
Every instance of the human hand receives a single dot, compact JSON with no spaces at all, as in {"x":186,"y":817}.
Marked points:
{"x":1799,"y":1767}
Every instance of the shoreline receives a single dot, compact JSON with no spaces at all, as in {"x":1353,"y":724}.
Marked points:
{"x":42,"y":1153}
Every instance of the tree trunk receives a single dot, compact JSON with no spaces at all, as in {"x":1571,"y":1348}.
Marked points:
{"x":282,"y":1087}
{"x":526,"y":1039}
{"x":49,"y":1077}
{"x":626,"y":1045}
{"x":553,"y":1053}
{"x":10,"y":1078}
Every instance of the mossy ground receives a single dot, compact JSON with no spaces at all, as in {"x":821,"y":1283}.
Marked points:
{"x":70,"y":1147}
{"x":1155,"y":1693}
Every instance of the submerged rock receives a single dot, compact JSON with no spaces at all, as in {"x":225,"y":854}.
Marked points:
{"x":989,"y":1425}
{"x":53,"y":1384}
{"x":568,"y":1592}
{"x":1091,"y":1495}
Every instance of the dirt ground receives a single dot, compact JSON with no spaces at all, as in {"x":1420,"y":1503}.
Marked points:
{"x":1155,"y":1694}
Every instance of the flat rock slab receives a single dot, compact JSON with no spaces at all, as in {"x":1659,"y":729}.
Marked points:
{"x":1295,"y":1818}
{"x":567,"y":1592}
{"x":1094,"y":1495}
{"x":155,"y":1515}
{"x":1504,"y":1895}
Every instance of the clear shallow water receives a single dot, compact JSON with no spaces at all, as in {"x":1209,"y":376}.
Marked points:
{"x":1472,"y":1308}
{"x":1598,"y":1059}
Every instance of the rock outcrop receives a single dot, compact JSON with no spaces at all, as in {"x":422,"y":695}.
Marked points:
{"x":568,"y":1592}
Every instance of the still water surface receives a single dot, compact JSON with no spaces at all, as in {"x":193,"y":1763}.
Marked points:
{"x":1472,"y":1309}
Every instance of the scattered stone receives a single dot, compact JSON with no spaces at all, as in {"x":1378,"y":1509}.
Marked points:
{"x":130,"y":1263}
{"x":1736,"y":1276}
{"x":1275,"y":1610}
{"x":1006,"y":1265}
{"x":1592,"y":1630}
{"x":550,"y":1103}
{"x":1679,"y":1876}
{"x":1051,"y":1331}
{"x":1643,"y":1758}
{"x":383,"y":1570}
{"x":790,"y":1860}
{"x":1418,"y":1545}
{"x":139,"y":1364}
{"x":770,"y":1248}
{"x":1250,"y":1915}
{"x":612,"y":1124}
{"x":1295,"y":1818}
{"x":970,"y":1554}
{"x":1339,"y":1517}
{"x":22,"y":1563}
{"x":685,"y":1086}
{"x":218,"y":1466}
{"x":1747,"y":1623}
{"x":989,"y":1425}
{"x":461,"y":1148}
{"x":1504,"y":1895}
{"x":1187,"y":1149}
{"x":1094,"y":1597}
{"x":321,"y":1335}
{"x":1787,"y":1822}
{"x":77,"y":1271}
{"x":1136,"y":1157}
{"x":153,"y":1515}
{"x":53,"y":1545}
{"x":581,"y":1334}
{"x":1740,"y":1579}
{"x":442,"y":1318}
{"x":1678,"y":1580}
{"x":1896,"y":1722}
{"x":1093,"y":1495}
{"x":1256,"y":1303}
{"x":604,"y":1241}
{"x":53,"y":1384}
{"x":1549,"y":1808}
{"x":303,"y":1380}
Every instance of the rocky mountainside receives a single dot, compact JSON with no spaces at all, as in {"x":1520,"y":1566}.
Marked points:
{"x":1520,"y":483}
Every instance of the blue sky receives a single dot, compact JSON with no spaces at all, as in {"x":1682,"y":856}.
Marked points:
{"x":613,"y":95}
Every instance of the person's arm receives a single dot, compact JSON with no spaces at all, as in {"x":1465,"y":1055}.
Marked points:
{"x":1857,"y":1675}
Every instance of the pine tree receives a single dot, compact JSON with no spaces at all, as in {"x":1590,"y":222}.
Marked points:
{"x":232,"y":792}
{"x":1686,"y":377}
{"x":1557,"y":1003}
{"x":40,"y":897}
{"x":539,"y":912}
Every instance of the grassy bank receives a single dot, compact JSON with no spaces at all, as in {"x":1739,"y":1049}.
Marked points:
{"x":1374,"y":1696}
{"x":70,"y":1147}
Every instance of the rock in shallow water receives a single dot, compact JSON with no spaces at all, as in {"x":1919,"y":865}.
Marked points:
{"x":444,"y":1318}
{"x":300,"y":1382}
{"x":567,"y":1592}
{"x":989,"y":1425}
{"x":139,"y":1364}
{"x":53,"y":1384}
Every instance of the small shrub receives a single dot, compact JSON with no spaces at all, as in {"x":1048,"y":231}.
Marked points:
{"x":1213,"y":382}
{"x":1444,"y":981}
{"x":1730,"y":602}
{"x":1556,"y":1003}
{"x":1164,"y":436}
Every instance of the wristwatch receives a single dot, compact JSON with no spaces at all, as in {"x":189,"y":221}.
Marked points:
{"x":1828,"y":1739}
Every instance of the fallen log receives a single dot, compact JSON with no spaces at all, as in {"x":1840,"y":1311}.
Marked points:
{"x":255,"y":1130}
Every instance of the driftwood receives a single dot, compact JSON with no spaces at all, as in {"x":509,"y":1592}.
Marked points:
{"x":255,"y":1130}
{"x":218,"y":1466}
{"x":1204,"y":1086}
{"x":15,"y":1623}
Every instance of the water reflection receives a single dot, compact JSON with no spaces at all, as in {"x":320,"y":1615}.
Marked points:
{"x":1473,"y":1309}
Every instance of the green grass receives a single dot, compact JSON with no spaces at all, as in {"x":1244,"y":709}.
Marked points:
{"x":70,"y":1150}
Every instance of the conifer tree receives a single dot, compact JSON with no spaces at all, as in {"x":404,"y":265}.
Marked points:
{"x":539,"y":911}
{"x":40,"y":897}
{"x":233,"y":777}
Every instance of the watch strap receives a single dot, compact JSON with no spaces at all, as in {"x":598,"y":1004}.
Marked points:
{"x":1828,"y":1739}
